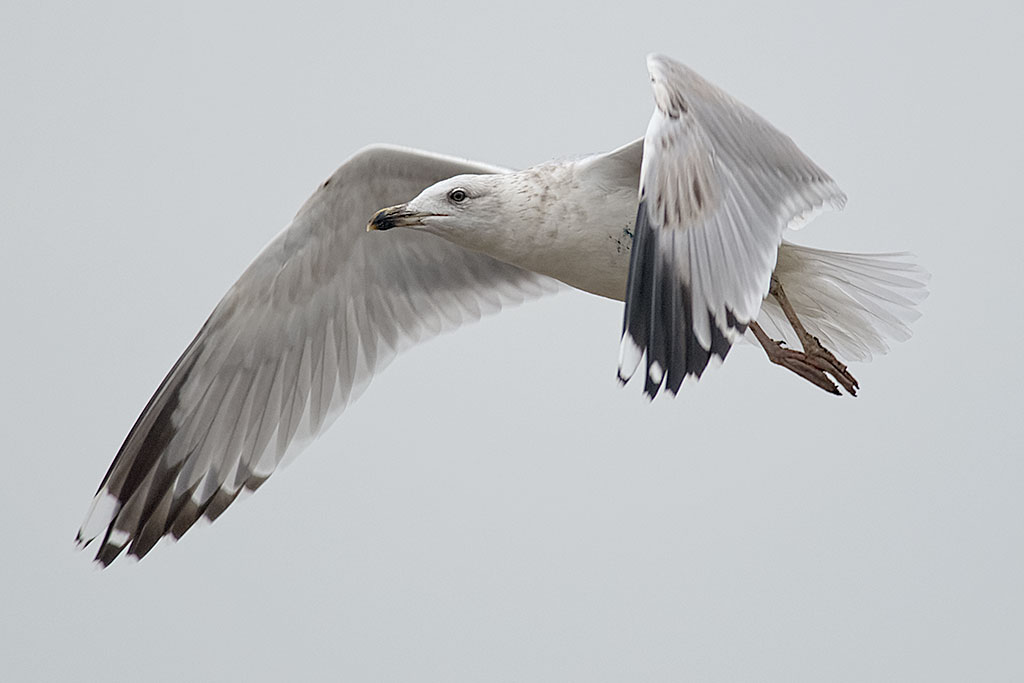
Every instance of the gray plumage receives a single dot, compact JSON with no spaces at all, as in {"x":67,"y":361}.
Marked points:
{"x":297,"y":338}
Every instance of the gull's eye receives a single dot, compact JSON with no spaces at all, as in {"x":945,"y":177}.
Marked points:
{"x":457,"y":196}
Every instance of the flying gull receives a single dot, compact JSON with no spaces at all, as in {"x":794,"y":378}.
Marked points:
{"x":684,"y":225}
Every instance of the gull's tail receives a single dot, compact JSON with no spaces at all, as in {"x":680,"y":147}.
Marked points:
{"x":855,"y":304}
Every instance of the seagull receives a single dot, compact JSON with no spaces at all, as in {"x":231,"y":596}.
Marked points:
{"x":684,"y":225}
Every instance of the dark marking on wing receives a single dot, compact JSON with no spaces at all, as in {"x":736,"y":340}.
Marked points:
{"x":136,"y":477}
{"x":659,"y":315}
{"x":676,"y":105}
{"x":143,"y":483}
{"x":732,"y":323}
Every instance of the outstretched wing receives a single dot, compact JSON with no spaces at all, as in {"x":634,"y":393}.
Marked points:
{"x":718,"y":185}
{"x":298,"y":337}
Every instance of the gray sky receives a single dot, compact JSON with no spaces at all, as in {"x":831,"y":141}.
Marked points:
{"x":495,"y":507}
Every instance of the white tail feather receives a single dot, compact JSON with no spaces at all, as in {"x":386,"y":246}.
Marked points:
{"x":855,"y":304}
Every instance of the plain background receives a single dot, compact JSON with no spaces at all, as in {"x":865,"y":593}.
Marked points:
{"x":495,"y":507}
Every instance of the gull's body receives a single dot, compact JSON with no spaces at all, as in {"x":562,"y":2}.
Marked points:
{"x":580,"y":234}
{"x":685,"y":226}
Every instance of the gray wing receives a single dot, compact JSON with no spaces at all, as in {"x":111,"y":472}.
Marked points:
{"x":298,"y":337}
{"x":718,"y":185}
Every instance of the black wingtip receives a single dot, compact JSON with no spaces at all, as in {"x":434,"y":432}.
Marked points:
{"x":659,"y":316}
{"x":108,"y":553}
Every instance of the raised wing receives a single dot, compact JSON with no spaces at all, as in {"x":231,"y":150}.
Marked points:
{"x":718,"y":185}
{"x":298,"y":337}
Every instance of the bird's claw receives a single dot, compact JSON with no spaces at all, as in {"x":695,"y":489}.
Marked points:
{"x":811,"y":368}
{"x":825,"y":361}
{"x":815,"y":364}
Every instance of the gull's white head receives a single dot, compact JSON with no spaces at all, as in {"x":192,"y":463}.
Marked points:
{"x":458,"y":208}
{"x":517,"y":217}
{"x":559,"y":219}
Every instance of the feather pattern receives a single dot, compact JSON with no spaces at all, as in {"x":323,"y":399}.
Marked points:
{"x":298,"y":337}
{"x":718,"y":185}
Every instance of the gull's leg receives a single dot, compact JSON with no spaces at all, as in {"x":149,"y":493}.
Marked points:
{"x":797,"y":361}
{"x":814,"y":353}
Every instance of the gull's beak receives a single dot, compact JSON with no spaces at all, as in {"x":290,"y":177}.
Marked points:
{"x":397,"y":217}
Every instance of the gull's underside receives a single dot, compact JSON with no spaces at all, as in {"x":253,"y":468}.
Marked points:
{"x":326,"y":305}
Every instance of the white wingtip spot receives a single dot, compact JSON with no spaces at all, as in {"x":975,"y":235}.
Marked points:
{"x":656,"y":373}
{"x":118,"y":538}
{"x":102,"y":511}
{"x":629,"y":357}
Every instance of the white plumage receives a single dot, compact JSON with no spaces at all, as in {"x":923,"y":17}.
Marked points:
{"x":685,"y":226}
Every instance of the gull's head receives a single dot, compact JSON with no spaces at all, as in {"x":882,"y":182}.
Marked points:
{"x":450,"y":207}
